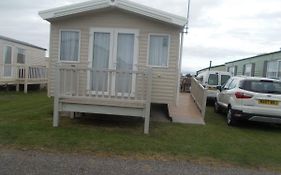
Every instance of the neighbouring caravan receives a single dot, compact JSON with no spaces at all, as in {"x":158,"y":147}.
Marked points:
{"x":113,"y":57}
{"x":21,"y":63}
{"x":212,"y":79}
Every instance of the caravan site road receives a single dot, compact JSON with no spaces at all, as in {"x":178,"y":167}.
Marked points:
{"x":38,"y":162}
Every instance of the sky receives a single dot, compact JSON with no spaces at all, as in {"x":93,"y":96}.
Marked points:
{"x":219,"y":30}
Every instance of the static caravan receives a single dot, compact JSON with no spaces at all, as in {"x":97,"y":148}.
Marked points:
{"x":113,"y":57}
{"x":21,"y":63}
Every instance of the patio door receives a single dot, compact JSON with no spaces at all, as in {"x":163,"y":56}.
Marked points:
{"x":116,"y":50}
{"x":7,"y":62}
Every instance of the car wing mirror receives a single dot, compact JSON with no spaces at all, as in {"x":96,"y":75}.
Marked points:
{"x":219,"y":88}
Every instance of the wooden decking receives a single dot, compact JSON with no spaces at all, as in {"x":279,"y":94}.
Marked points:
{"x":24,"y":75}
{"x":186,"y":111}
{"x":73,"y":93}
{"x":104,"y":102}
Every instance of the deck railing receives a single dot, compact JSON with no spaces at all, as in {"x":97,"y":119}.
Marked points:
{"x":102,"y":86}
{"x":33,"y":73}
{"x":199,"y":95}
{"x":22,"y":71}
{"x":104,"y":83}
{"x":23,"y":74}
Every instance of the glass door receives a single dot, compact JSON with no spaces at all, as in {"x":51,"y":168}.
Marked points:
{"x":124,"y":63}
{"x":114,"y":51}
{"x":7,"y":61}
{"x":100,"y":61}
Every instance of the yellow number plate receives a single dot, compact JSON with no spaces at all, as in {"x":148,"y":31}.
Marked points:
{"x":269,"y":102}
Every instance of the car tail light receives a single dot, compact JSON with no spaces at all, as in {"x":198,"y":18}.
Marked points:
{"x":242,"y":95}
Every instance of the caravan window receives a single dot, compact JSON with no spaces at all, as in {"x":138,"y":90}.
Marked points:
{"x":69,"y":45}
{"x":213,"y":79}
{"x":21,"y":56}
{"x":158,"y":50}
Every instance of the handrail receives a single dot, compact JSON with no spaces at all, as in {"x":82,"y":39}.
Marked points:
{"x":103,"y":83}
{"x":199,"y":95}
{"x":17,"y":72}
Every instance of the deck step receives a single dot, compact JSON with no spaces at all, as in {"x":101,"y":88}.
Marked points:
{"x":104,"y":101}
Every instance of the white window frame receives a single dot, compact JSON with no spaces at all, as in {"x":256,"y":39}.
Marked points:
{"x":250,"y":73}
{"x":24,"y":52}
{"x":148,"y":47}
{"x":113,"y":55}
{"x":278,"y":68}
{"x":12,"y":56}
{"x":232,"y":73}
{"x":79,"y":45}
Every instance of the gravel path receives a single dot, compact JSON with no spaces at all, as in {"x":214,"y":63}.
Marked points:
{"x":42,"y":163}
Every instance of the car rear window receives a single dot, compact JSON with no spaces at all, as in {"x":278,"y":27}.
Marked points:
{"x":261,"y":86}
{"x":213,"y":79}
{"x":224,"y":79}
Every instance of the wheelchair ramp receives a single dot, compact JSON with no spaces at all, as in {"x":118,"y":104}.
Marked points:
{"x":186,"y":111}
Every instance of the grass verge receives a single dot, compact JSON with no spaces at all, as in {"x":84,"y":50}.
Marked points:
{"x":25,"y":122}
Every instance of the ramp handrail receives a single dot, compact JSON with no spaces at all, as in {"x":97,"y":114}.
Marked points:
{"x":199,"y":95}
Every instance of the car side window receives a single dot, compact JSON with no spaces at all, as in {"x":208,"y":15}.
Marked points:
{"x":232,"y":85}
{"x":226,"y":86}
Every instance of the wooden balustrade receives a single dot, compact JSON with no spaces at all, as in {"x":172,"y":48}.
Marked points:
{"x":15,"y":74}
{"x":105,"y":91}
{"x":18,"y":72}
{"x":104,"y":83}
{"x":199,"y":95}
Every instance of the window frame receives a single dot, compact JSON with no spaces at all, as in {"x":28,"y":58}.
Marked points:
{"x":278,"y":76}
{"x":231,"y":67}
{"x":113,"y":53}
{"x":217,"y":76}
{"x":248,"y":64}
{"x":4,"y":57}
{"x":24,"y":53}
{"x":168,"y":53}
{"x":79,"y":45}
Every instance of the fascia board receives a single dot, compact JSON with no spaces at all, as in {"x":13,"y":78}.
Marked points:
{"x":122,"y":4}
{"x":74,"y":9}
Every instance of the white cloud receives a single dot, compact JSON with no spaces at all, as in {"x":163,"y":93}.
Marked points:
{"x":221,"y":30}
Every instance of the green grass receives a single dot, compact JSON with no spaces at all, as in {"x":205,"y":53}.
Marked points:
{"x":26,"y":122}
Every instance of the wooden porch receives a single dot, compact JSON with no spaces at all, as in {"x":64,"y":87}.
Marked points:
{"x":23,"y":75}
{"x":87,"y":90}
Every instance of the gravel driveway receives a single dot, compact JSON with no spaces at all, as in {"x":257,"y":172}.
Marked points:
{"x":36,"y":162}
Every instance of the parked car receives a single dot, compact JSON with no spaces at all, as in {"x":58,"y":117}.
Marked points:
{"x":212,"y":79}
{"x":250,"y":98}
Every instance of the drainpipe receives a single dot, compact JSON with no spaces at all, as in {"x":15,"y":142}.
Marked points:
{"x":179,"y":67}
{"x":184,"y":31}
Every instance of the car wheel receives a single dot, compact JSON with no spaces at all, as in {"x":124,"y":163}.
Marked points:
{"x":217,"y":107}
{"x":230,"y":119}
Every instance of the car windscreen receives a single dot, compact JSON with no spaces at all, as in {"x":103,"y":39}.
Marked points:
{"x":213,"y":79}
{"x":224,"y":79}
{"x":261,"y":86}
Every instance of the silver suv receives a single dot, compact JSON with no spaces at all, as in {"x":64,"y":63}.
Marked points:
{"x":250,"y":98}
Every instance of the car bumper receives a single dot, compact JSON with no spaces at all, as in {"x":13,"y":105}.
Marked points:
{"x":238,"y":114}
{"x":211,"y":94}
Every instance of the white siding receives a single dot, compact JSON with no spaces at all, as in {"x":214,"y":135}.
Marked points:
{"x":164,"y":87}
{"x":33,"y":56}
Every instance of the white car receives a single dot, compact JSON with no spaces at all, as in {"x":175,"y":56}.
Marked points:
{"x":250,"y":98}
